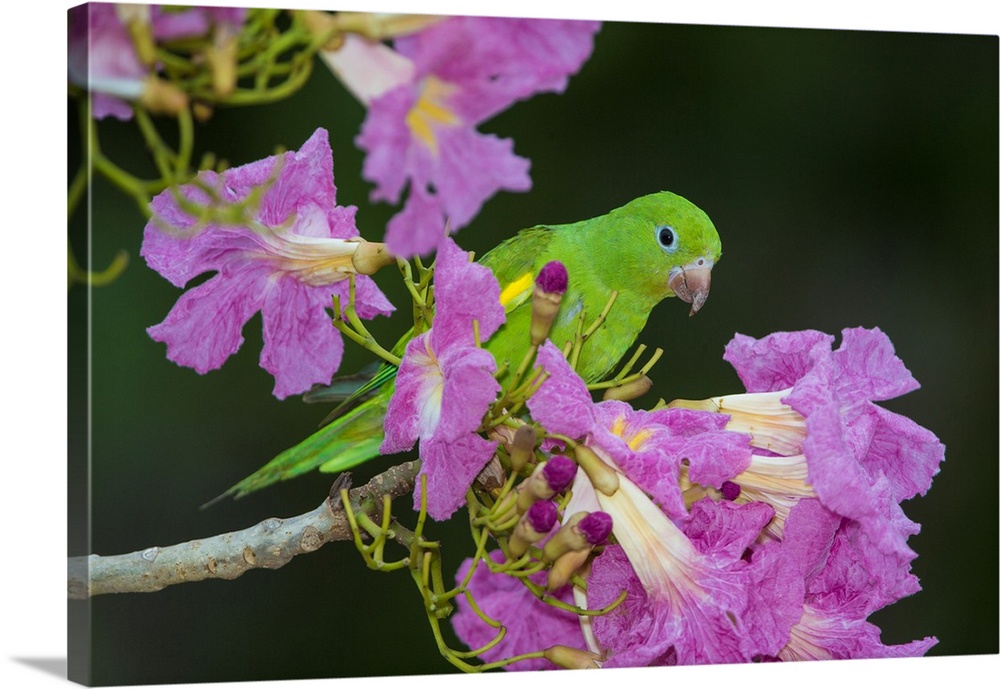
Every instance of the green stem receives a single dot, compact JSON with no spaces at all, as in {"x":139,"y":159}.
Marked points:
{"x":100,"y":278}
{"x":365,"y":338}
{"x":163,"y":157}
{"x":77,"y":188}
{"x":185,"y":148}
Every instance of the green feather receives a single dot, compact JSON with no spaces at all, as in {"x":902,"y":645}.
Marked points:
{"x":620,"y":251}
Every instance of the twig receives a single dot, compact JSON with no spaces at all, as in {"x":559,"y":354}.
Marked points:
{"x":269,"y":545}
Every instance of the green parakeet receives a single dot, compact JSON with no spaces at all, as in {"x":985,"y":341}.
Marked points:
{"x":656,"y":246}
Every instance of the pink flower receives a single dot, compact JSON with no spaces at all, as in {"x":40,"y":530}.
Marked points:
{"x":685,"y":604}
{"x":648,"y":447}
{"x":687,"y":596}
{"x":421,"y":129}
{"x":531,"y":625}
{"x":845,"y":580}
{"x":445,"y":383}
{"x":849,"y":443}
{"x":102,"y":59}
{"x":776,"y":564}
{"x":287,"y":262}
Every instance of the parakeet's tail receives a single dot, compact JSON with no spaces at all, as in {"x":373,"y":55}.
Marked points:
{"x":348,"y":441}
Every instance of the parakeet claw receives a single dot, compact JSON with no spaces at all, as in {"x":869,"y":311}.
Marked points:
{"x":691,"y":283}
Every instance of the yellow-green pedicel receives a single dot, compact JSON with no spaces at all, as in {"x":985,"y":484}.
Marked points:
{"x":656,"y":246}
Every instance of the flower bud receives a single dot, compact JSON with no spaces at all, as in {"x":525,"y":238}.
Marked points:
{"x":548,"y":478}
{"x":550,"y":285}
{"x":563,"y":568}
{"x":630,"y":390}
{"x":604,"y":478}
{"x":221,"y":58}
{"x":136,"y":19}
{"x":202,"y":111}
{"x":730,"y":490}
{"x":594,"y":528}
{"x":161,"y":97}
{"x":370,"y":256}
{"x":523,"y":447}
{"x":570,"y":658}
{"x":533,"y":526}
{"x":582,"y":531}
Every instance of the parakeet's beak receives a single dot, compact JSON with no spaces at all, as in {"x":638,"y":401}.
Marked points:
{"x":691,"y":283}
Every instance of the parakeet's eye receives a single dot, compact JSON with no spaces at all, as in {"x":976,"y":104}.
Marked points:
{"x":667,"y":238}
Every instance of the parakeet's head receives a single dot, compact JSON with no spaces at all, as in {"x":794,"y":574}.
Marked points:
{"x":668,"y":245}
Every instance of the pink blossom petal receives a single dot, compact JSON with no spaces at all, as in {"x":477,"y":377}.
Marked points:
{"x":386,"y":140}
{"x":175,"y":24}
{"x":688,"y":422}
{"x":305,"y":181}
{"x":562,"y":403}
{"x":690,"y":601}
{"x":301,"y":346}
{"x":417,"y":229}
{"x":205,"y":325}
{"x":517,"y":57}
{"x":636,"y":633}
{"x":723,"y":531}
{"x":808,"y":535}
{"x":777,"y":361}
{"x":838,"y":480}
{"x":415,"y":406}
{"x":820,"y":636}
{"x":100,"y":51}
{"x":172,"y":24}
{"x":472,"y":168}
{"x":450,"y":468}
{"x":531,"y":624}
{"x":908,"y":454}
{"x":172,"y":246}
{"x":464,"y":292}
{"x":777,"y":576}
{"x":848,"y":576}
{"x":649,"y":447}
{"x":869,"y":368}
{"x":469,"y":389}
{"x":647,"y":631}
{"x":860,"y":575}
{"x":776,"y":603}
{"x":103,"y":105}
{"x":470,"y":68}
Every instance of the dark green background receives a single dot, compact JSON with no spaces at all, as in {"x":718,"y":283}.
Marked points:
{"x":853,"y":179}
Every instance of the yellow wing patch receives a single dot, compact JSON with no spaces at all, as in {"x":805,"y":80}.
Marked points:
{"x":515,"y":293}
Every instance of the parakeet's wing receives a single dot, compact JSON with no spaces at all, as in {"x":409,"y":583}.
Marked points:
{"x":515,"y":263}
{"x":342,"y":387}
{"x":347,"y":441}
{"x":352,"y":392}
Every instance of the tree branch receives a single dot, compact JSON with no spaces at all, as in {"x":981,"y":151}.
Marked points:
{"x":269,"y":545}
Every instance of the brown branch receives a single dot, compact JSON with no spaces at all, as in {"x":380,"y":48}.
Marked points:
{"x":268,"y":545}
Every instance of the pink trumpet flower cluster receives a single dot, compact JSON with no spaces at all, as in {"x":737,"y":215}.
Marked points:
{"x":735,"y":546}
